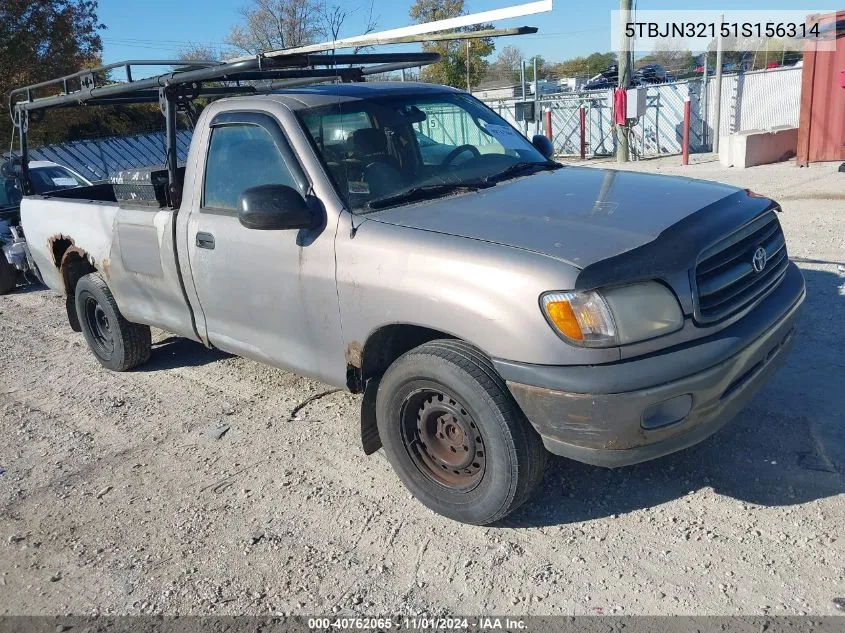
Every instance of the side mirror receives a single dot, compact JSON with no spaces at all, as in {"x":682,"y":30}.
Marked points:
{"x":274,"y":207}
{"x":543,"y":145}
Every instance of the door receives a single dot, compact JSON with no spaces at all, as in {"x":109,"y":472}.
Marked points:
{"x":267,"y":295}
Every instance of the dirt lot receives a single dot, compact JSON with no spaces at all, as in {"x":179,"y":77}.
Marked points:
{"x":118,"y":496}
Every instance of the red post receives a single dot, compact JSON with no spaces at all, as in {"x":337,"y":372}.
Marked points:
{"x":583,"y":132}
{"x":685,"y":147}
{"x":549,"y":124}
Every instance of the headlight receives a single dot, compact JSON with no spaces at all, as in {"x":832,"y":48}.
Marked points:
{"x":615,"y":316}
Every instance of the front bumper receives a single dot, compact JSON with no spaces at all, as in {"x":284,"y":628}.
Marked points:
{"x":689,"y":394}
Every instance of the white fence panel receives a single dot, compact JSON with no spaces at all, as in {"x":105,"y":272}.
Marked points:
{"x":758,"y":100}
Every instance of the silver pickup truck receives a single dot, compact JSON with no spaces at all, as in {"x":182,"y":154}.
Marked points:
{"x":405,"y":242}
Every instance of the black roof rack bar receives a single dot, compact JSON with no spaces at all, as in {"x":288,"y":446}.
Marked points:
{"x":365,"y":72}
{"x":152,"y":96}
{"x":388,"y":68}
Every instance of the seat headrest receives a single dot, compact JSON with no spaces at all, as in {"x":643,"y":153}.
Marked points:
{"x":368,"y":141}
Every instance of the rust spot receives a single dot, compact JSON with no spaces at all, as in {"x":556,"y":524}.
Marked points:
{"x":72,"y":252}
{"x":74,"y":264}
{"x":354,"y":354}
{"x":57,"y":245}
{"x":105,"y":268}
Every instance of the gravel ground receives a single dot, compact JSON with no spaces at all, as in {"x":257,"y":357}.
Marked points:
{"x":121,"y":493}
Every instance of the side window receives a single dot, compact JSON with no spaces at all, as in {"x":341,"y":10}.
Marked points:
{"x":241,"y":156}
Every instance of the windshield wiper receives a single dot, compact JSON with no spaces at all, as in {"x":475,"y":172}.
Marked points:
{"x":518,"y":168}
{"x":427,"y":192}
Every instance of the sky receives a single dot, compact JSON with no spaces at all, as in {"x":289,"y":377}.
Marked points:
{"x":158,"y":29}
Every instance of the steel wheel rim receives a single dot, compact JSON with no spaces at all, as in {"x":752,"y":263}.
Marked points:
{"x":99,"y":326}
{"x":443,"y":440}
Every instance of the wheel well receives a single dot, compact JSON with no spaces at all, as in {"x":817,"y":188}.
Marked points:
{"x":74,"y":264}
{"x":384,"y":346}
{"x":366,"y":364}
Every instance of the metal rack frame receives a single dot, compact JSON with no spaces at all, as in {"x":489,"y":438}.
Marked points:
{"x":176,"y":90}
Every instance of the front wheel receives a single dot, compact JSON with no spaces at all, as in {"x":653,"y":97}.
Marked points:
{"x":118,"y":344}
{"x":454,"y":434}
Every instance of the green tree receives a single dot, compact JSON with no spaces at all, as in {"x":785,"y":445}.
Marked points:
{"x":45,"y":39}
{"x":584,"y":66}
{"x":451,"y":70}
{"x":542,"y":69}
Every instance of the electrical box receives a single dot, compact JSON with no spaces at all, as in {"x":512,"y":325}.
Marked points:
{"x":636,"y":103}
{"x":525,"y":111}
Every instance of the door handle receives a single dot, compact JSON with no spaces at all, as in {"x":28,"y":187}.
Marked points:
{"x":205,"y":240}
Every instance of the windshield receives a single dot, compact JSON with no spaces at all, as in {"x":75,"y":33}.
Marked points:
{"x":376,"y":148}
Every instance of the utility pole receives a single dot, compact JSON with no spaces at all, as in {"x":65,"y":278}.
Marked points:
{"x":705,"y":101}
{"x":536,"y":99}
{"x":522,"y":80}
{"x":624,"y":68}
{"x":468,"y":86}
{"x":717,"y":117}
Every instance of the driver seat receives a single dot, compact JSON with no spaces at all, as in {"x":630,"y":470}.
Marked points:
{"x":370,"y":160}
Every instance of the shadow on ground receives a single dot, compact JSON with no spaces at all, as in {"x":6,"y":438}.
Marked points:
{"x":175,"y":352}
{"x":787,"y":447}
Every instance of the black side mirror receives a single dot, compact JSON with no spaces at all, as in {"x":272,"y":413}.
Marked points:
{"x":543,"y":145}
{"x":274,"y":207}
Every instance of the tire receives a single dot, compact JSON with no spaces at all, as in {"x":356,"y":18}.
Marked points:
{"x":118,"y":344}
{"x":454,"y":435}
{"x":8,"y":276}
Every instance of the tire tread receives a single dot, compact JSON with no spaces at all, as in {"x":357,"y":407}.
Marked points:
{"x":527,"y":450}
{"x":136,"y":338}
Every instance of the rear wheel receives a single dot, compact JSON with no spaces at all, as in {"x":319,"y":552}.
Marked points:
{"x":118,"y":344}
{"x":454,"y":434}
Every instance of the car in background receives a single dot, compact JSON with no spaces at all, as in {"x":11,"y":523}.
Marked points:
{"x":45,"y":176}
{"x":608,"y":78}
{"x":651,"y":74}
{"x":646,"y":75}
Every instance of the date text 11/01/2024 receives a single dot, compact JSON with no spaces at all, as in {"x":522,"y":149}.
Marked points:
{"x":418,"y":624}
{"x":726,"y":29}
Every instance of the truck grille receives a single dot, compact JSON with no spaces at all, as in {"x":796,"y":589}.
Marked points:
{"x":725,"y":277}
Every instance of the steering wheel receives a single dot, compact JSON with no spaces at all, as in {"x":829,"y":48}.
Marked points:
{"x":460,"y":149}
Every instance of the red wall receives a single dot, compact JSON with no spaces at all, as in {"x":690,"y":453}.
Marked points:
{"x":821,"y":132}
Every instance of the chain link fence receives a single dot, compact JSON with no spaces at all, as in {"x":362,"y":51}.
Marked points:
{"x":757,"y":100}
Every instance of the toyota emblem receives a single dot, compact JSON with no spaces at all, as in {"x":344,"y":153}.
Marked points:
{"x":759,"y":259}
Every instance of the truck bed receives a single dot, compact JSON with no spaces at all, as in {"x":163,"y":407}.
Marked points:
{"x":80,"y":219}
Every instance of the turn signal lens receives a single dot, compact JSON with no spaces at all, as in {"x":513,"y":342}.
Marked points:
{"x":582,"y":317}
{"x":562,"y":315}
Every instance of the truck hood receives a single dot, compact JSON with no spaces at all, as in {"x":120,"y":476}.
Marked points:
{"x":579,"y":215}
